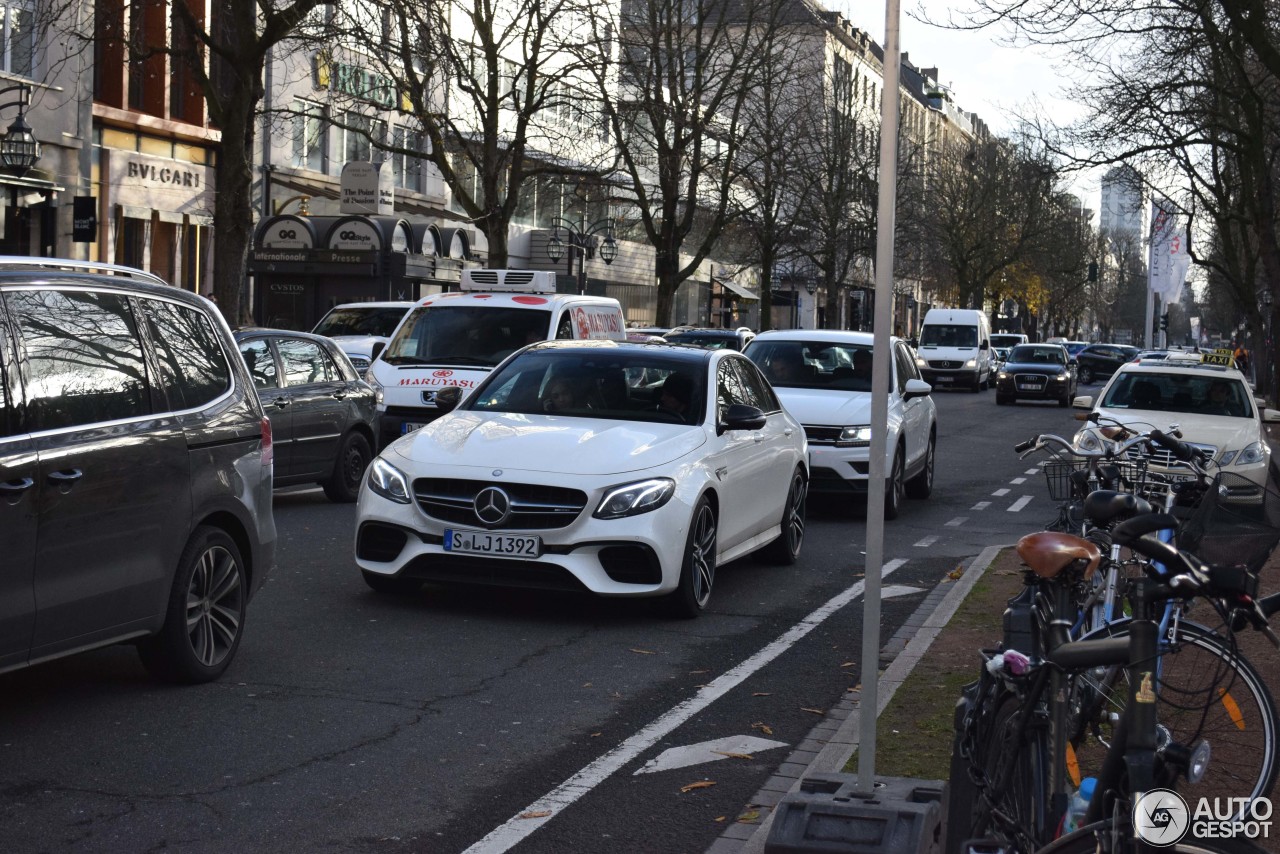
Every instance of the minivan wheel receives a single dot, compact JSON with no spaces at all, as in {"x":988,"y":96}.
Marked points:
{"x":204,"y":620}
{"x":343,"y":486}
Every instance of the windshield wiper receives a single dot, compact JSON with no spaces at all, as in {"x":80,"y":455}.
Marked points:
{"x":404,"y":360}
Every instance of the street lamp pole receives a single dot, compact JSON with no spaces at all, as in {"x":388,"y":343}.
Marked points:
{"x":1268,"y":378}
{"x":582,"y":240}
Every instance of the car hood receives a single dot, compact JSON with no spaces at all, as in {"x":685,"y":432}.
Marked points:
{"x":832,"y":408}
{"x":548,"y":443}
{"x":1226,"y":434}
{"x":1033,"y":368}
{"x":361,"y":345}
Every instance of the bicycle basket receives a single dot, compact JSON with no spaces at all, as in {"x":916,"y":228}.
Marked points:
{"x":1058,"y":475}
{"x":1070,"y":479}
{"x":1236,"y":524}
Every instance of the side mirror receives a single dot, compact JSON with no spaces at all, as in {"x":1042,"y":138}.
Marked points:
{"x":1271,"y":416}
{"x":914,"y":342}
{"x":916,"y":388}
{"x":1083,"y":402}
{"x":448,"y":398}
{"x":378,"y":347}
{"x":740,"y":416}
{"x":985,"y":345}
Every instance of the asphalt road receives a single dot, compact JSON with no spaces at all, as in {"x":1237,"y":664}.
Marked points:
{"x":352,"y":721}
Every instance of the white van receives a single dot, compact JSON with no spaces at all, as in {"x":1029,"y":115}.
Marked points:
{"x":456,"y":339}
{"x":955,"y":348}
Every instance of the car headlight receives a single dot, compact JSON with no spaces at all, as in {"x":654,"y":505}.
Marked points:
{"x":1251,"y":455}
{"x":1062,"y":375}
{"x":632,"y":499}
{"x":1086,"y":441}
{"x":388,"y":481}
{"x":921,"y":363}
{"x":1227,"y":457}
{"x":972,"y":363}
{"x":378,"y":397}
{"x":1003,"y":375}
{"x":854,"y":437}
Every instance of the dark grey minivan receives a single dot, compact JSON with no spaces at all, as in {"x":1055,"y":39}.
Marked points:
{"x":135,"y":471}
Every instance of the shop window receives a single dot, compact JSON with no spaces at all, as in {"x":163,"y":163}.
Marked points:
{"x":133,"y":242}
{"x":310,"y":133}
{"x":408,"y":169}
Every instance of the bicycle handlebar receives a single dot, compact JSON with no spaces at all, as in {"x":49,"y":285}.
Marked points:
{"x":1180,"y":450}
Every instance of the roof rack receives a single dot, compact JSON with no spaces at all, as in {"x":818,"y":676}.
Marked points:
{"x":8,"y":262}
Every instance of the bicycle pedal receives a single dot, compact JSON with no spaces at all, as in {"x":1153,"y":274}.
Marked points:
{"x":985,"y":846}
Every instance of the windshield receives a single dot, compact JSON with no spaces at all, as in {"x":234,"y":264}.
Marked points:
{"x":1211,"y":394}
{"x":707,"y":340}
{"x":813,"y":364}
{"x":622,"y":385}
{"x":380,"y":322}
{"x":465,"y":335}
{"x":1030,"y":354}
{"x":1006,"y":340}
{"x":940,"y":335}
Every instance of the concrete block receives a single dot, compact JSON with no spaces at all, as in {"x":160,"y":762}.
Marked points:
{"x":826,"y":817}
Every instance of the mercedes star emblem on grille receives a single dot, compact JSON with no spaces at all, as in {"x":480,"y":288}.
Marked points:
{"x":493,"y":506}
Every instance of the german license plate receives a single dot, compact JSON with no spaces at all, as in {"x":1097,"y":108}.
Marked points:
{"x":489,"y":543}
{"x":942,"y":379}
{"x":410,"y":426}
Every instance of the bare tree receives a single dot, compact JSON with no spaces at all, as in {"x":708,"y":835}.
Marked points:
{"x":684,"y":80}
{"x":498,"y":90}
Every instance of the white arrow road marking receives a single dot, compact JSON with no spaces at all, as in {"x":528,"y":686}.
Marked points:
{"x":709,"y":751}
{"x":507,"y":835}
{"x":898,"y":590}
{"x":1019,"y":504}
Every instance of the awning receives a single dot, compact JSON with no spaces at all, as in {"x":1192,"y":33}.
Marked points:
{"x":738,"y":289}
{"x":28,"y":183}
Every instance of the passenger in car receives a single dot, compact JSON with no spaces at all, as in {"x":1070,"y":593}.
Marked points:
{"x":676,"y":396}
{"x":561,"y":395}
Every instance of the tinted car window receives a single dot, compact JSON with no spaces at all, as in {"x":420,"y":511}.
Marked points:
{"x":380,"y":322}
{"x":739,"y":386}
{"x":1028,"y":353}
{"x":468,"y":335}
{"x":945,"y":335}
{"x":7,"y":366}
{"x":84,"y":359}
{"x":261,"y":364}
{"x":760,"y":387}
{"x":305,"y":363}
{"x":193,"y":368}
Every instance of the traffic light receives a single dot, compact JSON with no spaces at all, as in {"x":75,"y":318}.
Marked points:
{"x":1164,"y":322}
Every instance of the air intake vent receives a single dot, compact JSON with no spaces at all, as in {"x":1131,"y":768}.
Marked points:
{"x":515,"y":281}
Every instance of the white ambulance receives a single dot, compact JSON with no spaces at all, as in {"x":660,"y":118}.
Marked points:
{"x":456,"y":339}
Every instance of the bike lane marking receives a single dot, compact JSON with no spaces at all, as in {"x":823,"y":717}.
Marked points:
{"x":981,"y":505}
{"x":522,"y":824}
{"x":999,"y":493}
{"x":1019,"y":504}
{"x":926,"y":542}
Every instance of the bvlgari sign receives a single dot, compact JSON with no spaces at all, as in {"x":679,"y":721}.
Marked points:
{"x":160,"y":183}
{"x":367,"y":188}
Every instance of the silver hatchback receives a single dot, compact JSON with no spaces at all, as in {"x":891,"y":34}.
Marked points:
{"x":135,"y":471}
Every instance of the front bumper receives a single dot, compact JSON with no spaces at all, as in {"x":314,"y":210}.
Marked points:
{"x":634,"y":556}
{"x":391,"y":421}
{"x":944,"y":378}
{"x":1032,"y":386}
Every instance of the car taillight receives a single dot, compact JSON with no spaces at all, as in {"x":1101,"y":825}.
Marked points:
{"x":268,"y":450}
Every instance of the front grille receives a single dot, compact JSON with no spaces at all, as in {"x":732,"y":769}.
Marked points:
{"x":361,"y":363}
{"x":946,"y":365}
{"x":533,"y":506}
{"x":822,"y":435}
{"x":1161,"y":458}
{"x":476,"y":569}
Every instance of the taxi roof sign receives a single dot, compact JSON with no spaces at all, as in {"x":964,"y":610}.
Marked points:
{"x":1218,"y":357}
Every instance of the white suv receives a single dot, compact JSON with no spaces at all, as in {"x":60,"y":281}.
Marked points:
{"x":823,"y":378}
{"x":1212,"y":405}
{"x":362,"y":329}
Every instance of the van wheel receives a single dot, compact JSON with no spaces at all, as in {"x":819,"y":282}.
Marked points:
{"x":204,"y":620}
{"x":343,"y":486}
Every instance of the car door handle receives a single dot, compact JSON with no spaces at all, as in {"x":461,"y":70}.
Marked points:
{"x":757,"y":438}
{"x":340,"y":395}
{"x":66,"y":477}
{"x":16,"y":487}
{"x":282,"y":402}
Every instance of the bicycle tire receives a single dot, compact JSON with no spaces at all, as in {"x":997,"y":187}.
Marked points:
{"x":1097,"y":839}
{"x":1205,"y":690}
{"x":1024,"y":802}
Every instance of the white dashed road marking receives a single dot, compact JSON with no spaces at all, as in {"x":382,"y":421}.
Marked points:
{"x":957,"y":522}
{"x":1018,"y":480}
{"x":1000,"y":492}
{"x":926,"y":542}
{"x":1019,"y":504}
{"x":1033,"y":471}
{"x":981,"y":505}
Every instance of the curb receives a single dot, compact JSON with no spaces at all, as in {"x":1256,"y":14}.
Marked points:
{"x":832,"y":742}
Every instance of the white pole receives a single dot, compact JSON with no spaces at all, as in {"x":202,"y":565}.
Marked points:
{"x":885,"y":221}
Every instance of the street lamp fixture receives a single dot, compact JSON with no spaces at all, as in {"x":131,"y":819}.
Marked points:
{"x":19,"y":148}
{"x":811,"y":286}
{"x":581,"y":239}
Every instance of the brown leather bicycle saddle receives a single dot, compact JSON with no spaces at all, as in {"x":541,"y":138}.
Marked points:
{"x":1048,"y":553}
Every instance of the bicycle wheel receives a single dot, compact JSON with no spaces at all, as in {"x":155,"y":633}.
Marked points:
{"x":1011,"y":803}
{"x":1205,"y":690}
